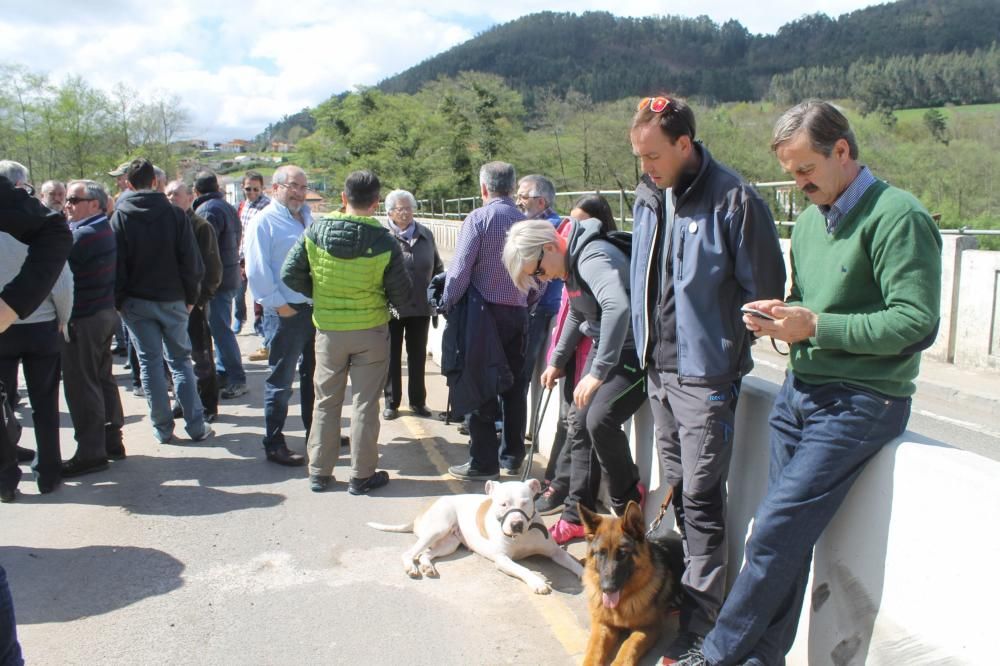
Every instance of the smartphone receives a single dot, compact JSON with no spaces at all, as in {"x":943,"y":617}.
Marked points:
{"x":754,"y":312}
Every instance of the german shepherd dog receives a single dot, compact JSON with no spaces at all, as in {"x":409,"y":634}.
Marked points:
{"x":632,"y":586}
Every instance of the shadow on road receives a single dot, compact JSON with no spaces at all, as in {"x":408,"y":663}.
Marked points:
{"x":62,"y":585}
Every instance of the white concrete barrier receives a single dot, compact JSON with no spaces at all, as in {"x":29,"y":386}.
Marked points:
{"x":903,"y":573}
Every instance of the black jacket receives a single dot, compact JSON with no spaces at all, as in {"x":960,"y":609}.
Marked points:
{"x":208,"y":245}
{"x":422,"y":262}
{"x":49,"y":243}
{"x":472,"y":357}
{"x":214,"y":208}
{"x":158,"y":258}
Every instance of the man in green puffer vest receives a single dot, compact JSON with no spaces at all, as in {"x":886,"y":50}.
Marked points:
{"x":352,"y":269}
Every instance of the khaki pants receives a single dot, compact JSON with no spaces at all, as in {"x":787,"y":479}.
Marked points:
{"x":364,"y":356}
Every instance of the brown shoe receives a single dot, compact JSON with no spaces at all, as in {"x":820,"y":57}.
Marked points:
{"x":259,"y":355}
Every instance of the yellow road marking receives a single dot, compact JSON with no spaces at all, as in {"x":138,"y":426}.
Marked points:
{"x":560,"y":618}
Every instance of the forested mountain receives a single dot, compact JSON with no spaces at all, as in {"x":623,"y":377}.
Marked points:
{"x":609,"y":57}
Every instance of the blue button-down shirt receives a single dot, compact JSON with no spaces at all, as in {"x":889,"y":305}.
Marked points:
{"x":478,"y":257}
{"x":272,"y":234}
{"x":848,"y":199}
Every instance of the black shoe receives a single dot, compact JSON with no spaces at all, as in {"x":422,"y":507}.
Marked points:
{"x":285,"y":457}
{"x":8,"y":495}
{"x":345,"y":442}
{"x":178,"y":411}
{"x":25,"y":455}
{"x":468,"y":472}
{"x":362,"y":486}
{"x":511,"y":470}
{"x":420,"y":410}
{"x":127,"y":366}
{"x":233,"y":391}
{"x":685,"y":649}
{"x":47,"y":484}
{"x":210,"y":418}
{"x":318,"y":484}
{"x":76,"y":467}
{"x":463,"y":429}
{"x":389,"y":413}
{"x":116,"y":453}
{"x":550,"y":503}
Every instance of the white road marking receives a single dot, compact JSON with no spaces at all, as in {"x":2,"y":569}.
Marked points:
{"x":975,"y":427}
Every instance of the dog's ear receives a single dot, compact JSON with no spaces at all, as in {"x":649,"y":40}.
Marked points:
{"x":489,"y":487}
{"x":633,"y":523}
{"x":591,"y":521}
{"x":535,"y":486}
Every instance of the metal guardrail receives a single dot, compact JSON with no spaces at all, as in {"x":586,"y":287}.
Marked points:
{"x":785,"y":200}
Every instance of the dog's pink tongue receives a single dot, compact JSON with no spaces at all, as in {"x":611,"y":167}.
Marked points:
{"x":610,"y":599}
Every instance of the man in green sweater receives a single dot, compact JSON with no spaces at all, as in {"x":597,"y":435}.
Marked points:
{"x":352,"y":269}
{"x":864,"y":302}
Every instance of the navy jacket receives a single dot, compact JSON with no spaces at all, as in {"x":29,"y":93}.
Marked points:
{"x":93,"y":260}
{"x":214,"y":208}
{"x":472,"y":357}
{"x":724,"y":253}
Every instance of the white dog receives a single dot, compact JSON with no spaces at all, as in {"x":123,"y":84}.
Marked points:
{"x":501,"y":525}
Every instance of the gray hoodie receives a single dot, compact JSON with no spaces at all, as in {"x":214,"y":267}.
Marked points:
{"x":602,"y":312}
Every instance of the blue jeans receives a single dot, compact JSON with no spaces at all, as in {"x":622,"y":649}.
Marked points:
{"x":821,"y":439}
{"x":291,"y":341}
{"x":10,"y":650}
{"x":157,"y":328}
{"x":228,"y":362}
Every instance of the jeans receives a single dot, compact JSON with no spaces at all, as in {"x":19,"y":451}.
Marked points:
{"x":228,"y":361}
{"x":414,"y":330}
{"x":157,"y":328}
{"x":10,"y":649}
{"x":291,"y":341}
{"x":486,"y":451}
{"x":37,"y":347}
{"x":821,"y":439}
{"x":539,"y":332}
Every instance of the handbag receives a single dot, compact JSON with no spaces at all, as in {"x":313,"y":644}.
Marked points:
{"x":10,"y":429}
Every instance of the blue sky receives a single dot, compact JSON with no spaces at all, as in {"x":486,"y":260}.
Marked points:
{"x":239,"y":66}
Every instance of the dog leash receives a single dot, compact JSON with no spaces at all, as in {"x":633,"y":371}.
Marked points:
{"x":536,"y":422}
{"x":663,"y":511}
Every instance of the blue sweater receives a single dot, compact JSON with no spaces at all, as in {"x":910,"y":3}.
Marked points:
{"x":92,"y":260}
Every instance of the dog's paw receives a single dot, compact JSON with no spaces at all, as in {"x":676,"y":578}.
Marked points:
{"x":539,"y":586}
{"x":411,"y":570}
{"x":428,"y":570}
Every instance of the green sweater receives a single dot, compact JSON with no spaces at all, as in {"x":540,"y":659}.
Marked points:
{"x":352,"y":268}
{"x":875,"y":284}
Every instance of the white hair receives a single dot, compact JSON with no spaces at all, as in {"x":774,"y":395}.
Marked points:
{"x":393,"y":198}
{"x":525,"y":241}
{"x":13,"y":171}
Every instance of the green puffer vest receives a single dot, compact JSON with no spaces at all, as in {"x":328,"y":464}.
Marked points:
{"x":352,"y":264}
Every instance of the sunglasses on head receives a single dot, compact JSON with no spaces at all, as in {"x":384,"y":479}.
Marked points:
{"x":655,"y":104}
{"x":539,"y":271}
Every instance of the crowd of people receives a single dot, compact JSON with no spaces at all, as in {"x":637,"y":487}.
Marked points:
{"x":665,"y":315}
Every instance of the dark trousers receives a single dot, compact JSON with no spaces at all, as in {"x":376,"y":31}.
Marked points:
{"x":694,"y":437}
{"x":90,"y":388}
{"x":558,"y":469}
{"x":37,"y":348}
{"x":203,"y":359}
{"x":598,"y":443}
{"x":240,"y":313}
{"x":414,"y":331}
{"x":10,"y":649}
{"x":486,"y":451}
{"x":822,"y":437}
{"x":292,"y":341}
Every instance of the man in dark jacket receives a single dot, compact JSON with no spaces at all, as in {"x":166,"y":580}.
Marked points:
{"x":704,"y":243}
{"x":158,"y":281}
{"x":212,"y":206}
{"x":91,"y":392}
{"x":179,"y":194}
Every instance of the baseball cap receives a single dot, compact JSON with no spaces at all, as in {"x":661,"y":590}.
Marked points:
{"x":120,"y":171}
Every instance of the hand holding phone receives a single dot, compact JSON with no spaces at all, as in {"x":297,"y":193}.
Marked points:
{"x":754,"y":312}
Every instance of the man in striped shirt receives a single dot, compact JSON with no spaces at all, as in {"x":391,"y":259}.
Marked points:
{"x":478,"y":262}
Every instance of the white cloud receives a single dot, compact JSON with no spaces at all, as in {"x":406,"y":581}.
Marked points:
{"x":239,"y":66}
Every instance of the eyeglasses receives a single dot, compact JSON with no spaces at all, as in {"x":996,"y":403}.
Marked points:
{"x":655,"y":104}
{"x":251,"y":189}
{"x":539,"y":271}
{"x":402,"y":209}
{"x":525,"y":197}
{"x":76,"y":200}
{"x":295,"y":187}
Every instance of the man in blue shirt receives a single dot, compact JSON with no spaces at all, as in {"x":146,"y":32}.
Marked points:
{"x":478,"y":263}
{"x":288,"y":328}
